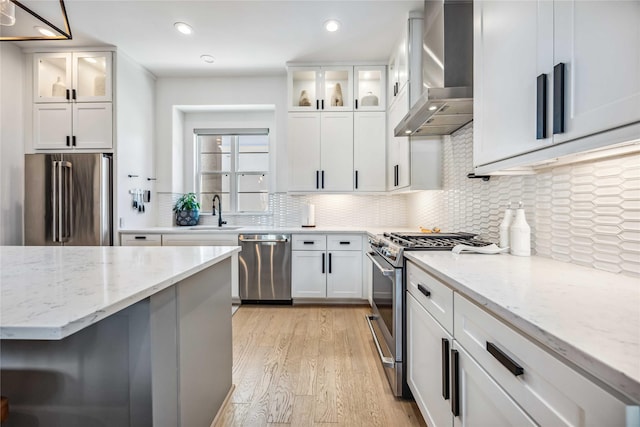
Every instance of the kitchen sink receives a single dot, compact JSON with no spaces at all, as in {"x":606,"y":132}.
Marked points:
{"x":214,"y":227}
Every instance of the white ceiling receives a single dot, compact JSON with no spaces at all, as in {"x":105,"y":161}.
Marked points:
{"x":244,"y":37}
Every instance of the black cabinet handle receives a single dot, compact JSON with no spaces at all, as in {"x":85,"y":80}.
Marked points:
{"x":425,"y":291}
{"x":505,"y":360}
{"x":323,"y":263}
{"x":140,"y":237}
{"x":322,"y":179}
{"x":68,"y":94}
{"x":329,"y":262}
{"x":345,"y":243}
{"x":558,"y":97}
{"x":322,"y":104}
{"x":317,"y":179}
{"x":307,"y":242}
{"x":356,"y":104}
{"x":73,"y":140}
{"x":455,"y":383}
{"x":317,"y":104}
{"x":73,"y":91}
{"x":541,"y":106}
{"x":356,"y":180}
{"x":445,"y":368}
{"x":68,"y":141}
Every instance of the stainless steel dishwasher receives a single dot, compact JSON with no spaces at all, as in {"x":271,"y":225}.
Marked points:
{"x":265,"y":268}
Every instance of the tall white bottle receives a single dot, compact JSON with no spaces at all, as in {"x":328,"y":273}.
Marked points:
{"x":504,"y":227}
{"x":520,"y":234}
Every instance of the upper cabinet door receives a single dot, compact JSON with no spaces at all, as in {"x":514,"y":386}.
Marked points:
{"x":69,"y":77}
{"x":505,"y":76}
{"x":369,"y":85}
{"x":92,"y":76}
{"x":303,"y":89}
{"x":337,"y":88}
{"x":304,"y":151}
{"x":52,"y":81}
{"x":599,"y":44}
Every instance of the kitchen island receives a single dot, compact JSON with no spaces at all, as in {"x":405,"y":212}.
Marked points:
{"x":126,"y":336}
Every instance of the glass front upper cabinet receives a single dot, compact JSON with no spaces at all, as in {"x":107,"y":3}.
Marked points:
{"x":369,"y":88}
{"x":68,"y":77}
{"x":320,"y":88}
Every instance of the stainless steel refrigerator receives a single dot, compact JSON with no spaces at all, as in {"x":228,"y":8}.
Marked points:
{"x":68,"y":199}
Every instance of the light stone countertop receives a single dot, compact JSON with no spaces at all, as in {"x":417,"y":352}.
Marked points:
{"x":590,"y":317}
{"x":51,"y":292}
{"x":249,"y":229}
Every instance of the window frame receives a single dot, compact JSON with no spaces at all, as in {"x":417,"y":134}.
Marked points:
{"x":233,"y":173}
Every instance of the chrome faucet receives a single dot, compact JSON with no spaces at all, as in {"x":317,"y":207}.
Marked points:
{"x":213,"y":209}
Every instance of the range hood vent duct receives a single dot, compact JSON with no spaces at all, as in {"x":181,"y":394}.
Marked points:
{"x":446,"y":103}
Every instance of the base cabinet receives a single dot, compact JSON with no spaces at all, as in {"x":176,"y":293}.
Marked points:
{"x":326,"y":266}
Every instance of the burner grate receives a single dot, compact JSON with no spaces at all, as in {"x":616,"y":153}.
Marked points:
{"x":435,"y":241}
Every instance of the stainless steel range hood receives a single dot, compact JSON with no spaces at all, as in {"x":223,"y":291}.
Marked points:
{"x":446,"y":103}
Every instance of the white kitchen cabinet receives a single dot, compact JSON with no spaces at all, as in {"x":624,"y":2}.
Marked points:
{"x":140,"y":239}
{"x":321,"y":151}
{"x":599,"y":43}
{"x":326,"y":266}
{"x":369,"y":151}
{"x":369,"y":88}
{"x":321,"y":88}
{"x":548,"y":390}
{"x":64,"y":126}
{"x":521,"y":114}
{"x":72,"y":77}
{"x":428,"y":349}
{"x":405,"y":62}
{"x":481,"y":401}
{"x":398,"y":148}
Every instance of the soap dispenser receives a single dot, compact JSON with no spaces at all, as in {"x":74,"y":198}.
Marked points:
{"x":520,"y":234}
{"x":504,"y":227}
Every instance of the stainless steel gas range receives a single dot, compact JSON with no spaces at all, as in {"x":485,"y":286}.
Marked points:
{"x":387,"y":322}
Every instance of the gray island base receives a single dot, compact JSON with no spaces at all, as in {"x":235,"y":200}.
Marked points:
{"x":165,"y":360}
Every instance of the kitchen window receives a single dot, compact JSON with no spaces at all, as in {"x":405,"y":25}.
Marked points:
{"x":233,"y":163}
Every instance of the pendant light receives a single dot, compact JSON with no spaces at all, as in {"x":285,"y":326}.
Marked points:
{"x":8,"y":19}
{"x":7,"y":13}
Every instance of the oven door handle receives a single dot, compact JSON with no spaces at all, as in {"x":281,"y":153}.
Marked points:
{"x":387,"y":362}
{"x":383,"y":270}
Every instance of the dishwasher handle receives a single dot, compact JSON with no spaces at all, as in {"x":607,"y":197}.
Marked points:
{"x":268,"y":240}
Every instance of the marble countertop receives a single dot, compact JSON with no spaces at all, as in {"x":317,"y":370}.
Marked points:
{"x":208,"y":229}
{"x":50,"y":292}
{"x":590,"y":317}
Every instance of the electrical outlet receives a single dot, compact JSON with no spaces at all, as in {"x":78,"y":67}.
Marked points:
{"x":121,"y":222}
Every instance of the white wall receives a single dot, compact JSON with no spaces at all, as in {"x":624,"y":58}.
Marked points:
{"x":12,"y":72}
{"x":135,"y":137}
{"x":176,"y":95}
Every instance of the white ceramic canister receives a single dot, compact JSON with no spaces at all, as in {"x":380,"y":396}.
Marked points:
{"x":504,"y":227}
{"x":520,"y":234}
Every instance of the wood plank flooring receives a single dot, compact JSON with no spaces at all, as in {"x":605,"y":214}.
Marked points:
{"x":309,"y":366}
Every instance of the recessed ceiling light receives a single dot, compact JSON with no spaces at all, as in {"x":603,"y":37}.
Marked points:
{"x":433,"y":107}
{"x":207,"y":58}
{"x":407,"y":132}
{"x":183,"y":28}
{"x":45,"y":31}
{"x":332,"y":25}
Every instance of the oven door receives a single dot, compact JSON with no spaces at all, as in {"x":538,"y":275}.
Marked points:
{"x":386,"y":321}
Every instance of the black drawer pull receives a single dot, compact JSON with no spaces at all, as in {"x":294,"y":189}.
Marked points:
{"x":356,"y":104}
{"x":317,"y":104}
{"x":68,"y":141}
{"x":505,"y":360}
{"x":323,"y":262}
{"x":308,"y":242}
{"x":140,"y":237}
{"x":455,"y":383}
{"x":345,"y":243}
{"x":541,"y":106}
{"x":425,"y":291}
{"x":329,"y":262}
{"x":73,"y":92}
{"x":445,"y":368}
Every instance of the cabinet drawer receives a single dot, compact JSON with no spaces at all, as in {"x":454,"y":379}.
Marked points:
{"x":140,"y":240}
{"x":352,"y":242}
{"x":309,"y":242}
{"x":550,"y":391}
{"x":214,"y":239}
{"x":439,"y":302}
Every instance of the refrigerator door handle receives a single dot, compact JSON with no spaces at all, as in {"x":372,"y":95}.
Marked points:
{"x":67,"y":198}
{"x":55,"y":199}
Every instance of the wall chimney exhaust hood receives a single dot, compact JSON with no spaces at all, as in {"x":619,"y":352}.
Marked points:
{"x":446,"y":103}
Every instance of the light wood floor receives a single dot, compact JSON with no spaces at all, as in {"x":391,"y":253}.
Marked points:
{"x":309,"y":366}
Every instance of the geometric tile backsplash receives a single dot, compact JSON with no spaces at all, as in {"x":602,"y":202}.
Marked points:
{"x":585,"y":213}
